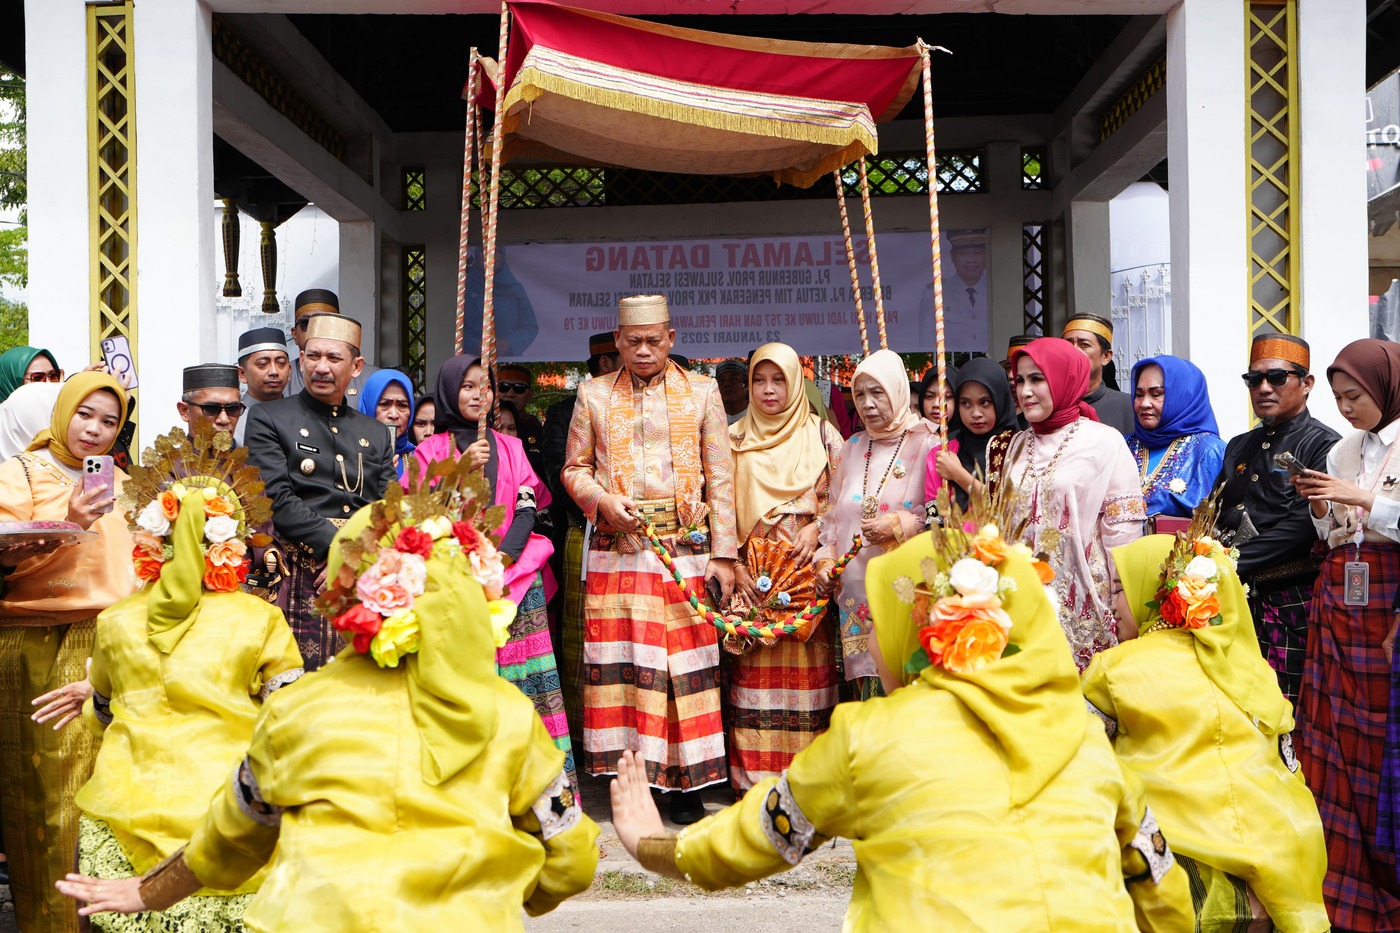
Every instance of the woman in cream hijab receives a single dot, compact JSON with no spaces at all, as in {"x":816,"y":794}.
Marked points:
{"x":877,"y":493}
{"x":781,"y":694}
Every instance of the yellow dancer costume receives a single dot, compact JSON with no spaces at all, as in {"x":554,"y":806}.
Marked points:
{"x":1198,"y":714}
{"x":982,"y":800}
{"x":179,"y":672}
{"x":406,"y":786}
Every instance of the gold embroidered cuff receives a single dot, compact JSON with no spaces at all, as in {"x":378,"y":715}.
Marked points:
{"x":168,"y":883}
{"x":658,"y":854}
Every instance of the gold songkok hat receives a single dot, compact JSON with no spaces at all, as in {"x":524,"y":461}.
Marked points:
{"x":334,"y":327}
{"x":1284,"y":347}
{"x":643,"y":309}
{"x":1020,"y":340}
{"x":1093,"y":323}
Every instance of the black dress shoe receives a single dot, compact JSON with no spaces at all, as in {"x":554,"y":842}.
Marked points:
{"x":687,"y":808}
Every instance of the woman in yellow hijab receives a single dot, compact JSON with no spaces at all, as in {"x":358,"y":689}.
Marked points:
{"x":406,"y":786}
{"x":980,"y":795}
{"x":50,"y":596}
{"x":780,"y":695}
{"x":1197,"y":713}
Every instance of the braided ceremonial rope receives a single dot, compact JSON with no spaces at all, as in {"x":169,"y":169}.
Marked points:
{"x":935,"y":236}
{"x":468,"y":161}
{"x":851,"y":261}
{"x":735,"y":625}
{"x":488,"y":299}
{"x":874,"y":256}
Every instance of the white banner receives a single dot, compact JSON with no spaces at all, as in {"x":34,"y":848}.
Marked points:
{"x":727,"y":296}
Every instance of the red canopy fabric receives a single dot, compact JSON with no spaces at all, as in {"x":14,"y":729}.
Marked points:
{"x":610,"y":90}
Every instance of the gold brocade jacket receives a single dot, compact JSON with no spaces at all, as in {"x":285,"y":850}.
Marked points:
{"x":587,"y":473}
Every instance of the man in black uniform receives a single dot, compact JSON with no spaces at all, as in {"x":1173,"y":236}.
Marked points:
{"x":1260,"y":511}
{"x":322,"y":461}
{"x":1093,"y":336}
{"x":569,"y":534}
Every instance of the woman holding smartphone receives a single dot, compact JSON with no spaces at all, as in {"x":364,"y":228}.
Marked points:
{"x":49,"y":599}
{"x":1345,"y":697}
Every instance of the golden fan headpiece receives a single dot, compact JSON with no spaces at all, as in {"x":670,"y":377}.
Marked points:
{"x":232,"y":496}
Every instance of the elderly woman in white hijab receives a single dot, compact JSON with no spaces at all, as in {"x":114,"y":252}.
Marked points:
{"x":878,"y":494}
{"x":24,"y":414}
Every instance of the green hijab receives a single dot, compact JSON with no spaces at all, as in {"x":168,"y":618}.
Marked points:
{"x":452,"y":676}
{"x":1228,"y":652}
{"x":14,"y":362}
{"x":1030,"y":701}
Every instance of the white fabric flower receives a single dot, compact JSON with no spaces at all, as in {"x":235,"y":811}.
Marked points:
{"x":220,"y":528}
{"x":152,"y":519}
{"x":970,"y":576}
{"x":1201,"y":566}
{"x":1177,"y":485}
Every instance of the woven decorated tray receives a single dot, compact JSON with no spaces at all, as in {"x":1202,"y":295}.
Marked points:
{"x":22,"y":532}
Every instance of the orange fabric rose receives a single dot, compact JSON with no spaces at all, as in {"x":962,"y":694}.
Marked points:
{"x":220,"y":579}
{"x":217,"y":506}
{"x":147,"y":568}
{"x":228,"y":553}
{"x":1199,"y":614}
{"x":1044,"y":571}
{"x":170,"y":505}
{"x":147,"y":545}
{"x":979,"y":642}
{"x":1202,"y":547}
{"x":990,"y":550}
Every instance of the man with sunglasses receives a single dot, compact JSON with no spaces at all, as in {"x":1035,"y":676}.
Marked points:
{"x":1260,"y":511}
{"x":211,"y":396}
{"x":515,"y":384}
{"x":321,"y":301}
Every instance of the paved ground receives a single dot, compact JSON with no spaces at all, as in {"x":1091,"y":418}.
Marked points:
{"x":811,"y":898}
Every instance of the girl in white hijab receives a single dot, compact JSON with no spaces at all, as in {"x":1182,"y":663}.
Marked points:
{"x":24,"y":414}
{"x":878,"y":493}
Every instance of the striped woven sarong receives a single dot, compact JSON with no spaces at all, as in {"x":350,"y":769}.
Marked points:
{"x":1345,"y":703}
{"x":1223,"y":902}
{"x":651,"y":667}
{"x":527,"y":660}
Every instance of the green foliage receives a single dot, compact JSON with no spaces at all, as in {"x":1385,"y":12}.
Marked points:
{"x":14,"y":189}
{"x":14,"y":324}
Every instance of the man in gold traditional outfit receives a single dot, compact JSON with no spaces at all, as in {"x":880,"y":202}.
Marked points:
{"x":653,"y":439}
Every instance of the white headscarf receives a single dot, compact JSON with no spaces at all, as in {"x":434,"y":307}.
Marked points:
{"x":24,"y":414}
{"x":886,"y":368}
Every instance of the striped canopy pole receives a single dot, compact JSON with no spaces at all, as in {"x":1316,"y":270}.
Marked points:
{"x":488,"y":301}
{"x":940,"y":345}
{"x":874,"y":256}
{"x":468,"y":170}
{"x":851,"y":262}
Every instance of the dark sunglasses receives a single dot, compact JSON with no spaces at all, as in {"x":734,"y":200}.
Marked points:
{"x":513,"y":386}
{"x":212,"y":409}
{"x":1276,"y":377}
{"x":302,"y":324}
{"x":53,"y":375}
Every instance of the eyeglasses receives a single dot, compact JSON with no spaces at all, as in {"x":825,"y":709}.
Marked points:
{"x":213,"y":409}
{"x":302,"y":324}
{"x":53,"y":375}
{"x":1276,"y":377}
{"x":517,"y":387}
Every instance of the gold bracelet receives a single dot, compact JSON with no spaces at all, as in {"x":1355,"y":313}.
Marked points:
{"x":898,"y":530}
{"x":658,"y":854}
{"x":168,"y":883}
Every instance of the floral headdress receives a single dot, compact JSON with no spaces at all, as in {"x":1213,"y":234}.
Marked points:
{"x":231,"y":496}
{"x":385,"y":568}
{"x":962,"y":625}
{"x":1190,"y":575}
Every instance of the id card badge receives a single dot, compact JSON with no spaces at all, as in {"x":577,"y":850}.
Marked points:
{"x":1358,"y":582}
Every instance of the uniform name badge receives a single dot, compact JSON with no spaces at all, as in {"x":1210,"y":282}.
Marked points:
{"x":1357,"y":576}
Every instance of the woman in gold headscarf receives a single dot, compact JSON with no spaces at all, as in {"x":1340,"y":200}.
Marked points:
{"x":980,"y":794}
{"x":49,"y":601}
{"x":781,"y":694}
{"x":1194,"y":709}
{"x":406,"y":786}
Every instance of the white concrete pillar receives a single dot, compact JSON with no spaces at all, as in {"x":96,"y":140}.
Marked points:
{"x":1090,"y":278}
{"x":359,"y":280}
{"x":59,"y":292}
{"x":175,"y":242}
{"x":1332,"y":92}
{"x":1205,"y":143}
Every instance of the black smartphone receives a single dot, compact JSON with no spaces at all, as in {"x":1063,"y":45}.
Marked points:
{"x":1286,"y":461}
{"x":712,"y":590}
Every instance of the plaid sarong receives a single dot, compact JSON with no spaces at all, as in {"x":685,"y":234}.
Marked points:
{"x":651,"y":667}
{"x":1341,"y":736}
{"x":316,"y":638}
{"x":1281,"y":621}
{"x":571,"y":634}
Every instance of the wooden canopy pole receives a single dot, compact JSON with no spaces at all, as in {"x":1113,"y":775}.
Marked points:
{"x":940,"y":345}
{"x":488,"y":301}
{"x":468,"y":169}
{"x":874,"y":256}
{"x":851,"y":262}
